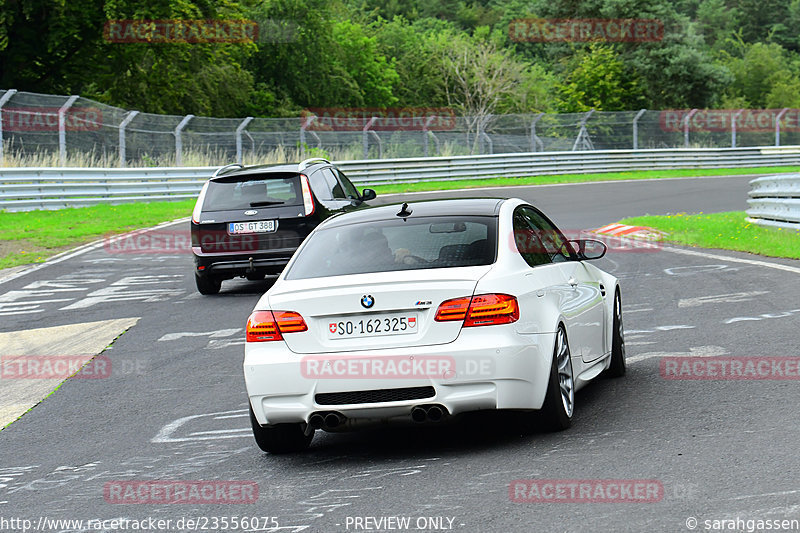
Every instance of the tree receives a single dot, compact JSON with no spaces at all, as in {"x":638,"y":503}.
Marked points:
{"x":415,"y":56}
{"x":716,"y":21}
{"x":761,"y":72}
{"x":675,"y":72}
{"x":481,"y":79}
{"x":48,"y":45}
{"x":326,"y":63}
{"x":596,"y":78}
{"x":368,"y":76}
{"x":59,"y":47}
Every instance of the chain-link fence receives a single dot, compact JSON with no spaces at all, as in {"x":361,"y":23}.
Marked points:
{"x":48,"y":130}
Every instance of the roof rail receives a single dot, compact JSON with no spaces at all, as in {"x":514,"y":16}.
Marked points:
{"x":220,"y":170}
{"x":308,"y":162}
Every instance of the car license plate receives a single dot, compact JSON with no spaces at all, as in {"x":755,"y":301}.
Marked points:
{"x":260,"y":226}
{"x":372,"y":325}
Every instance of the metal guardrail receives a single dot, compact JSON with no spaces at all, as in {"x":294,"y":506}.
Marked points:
{"x":53,"y":188}
{"x":775,"y":201}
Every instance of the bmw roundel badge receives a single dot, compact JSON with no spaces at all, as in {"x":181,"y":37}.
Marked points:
{"x":367,"y":301}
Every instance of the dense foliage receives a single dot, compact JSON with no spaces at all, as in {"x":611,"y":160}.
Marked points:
{"x":389,"y":53}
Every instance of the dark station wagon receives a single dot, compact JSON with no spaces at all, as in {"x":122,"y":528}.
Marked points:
{"x":248,"y":221}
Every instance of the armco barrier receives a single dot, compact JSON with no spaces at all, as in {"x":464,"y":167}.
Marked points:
{"x":53,"y":188}
{"x":775,"y":201}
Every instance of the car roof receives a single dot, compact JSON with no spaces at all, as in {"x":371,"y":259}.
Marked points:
{"x":424,"y":208}
{"x":259,"y":170}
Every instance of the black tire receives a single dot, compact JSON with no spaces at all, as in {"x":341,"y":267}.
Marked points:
{"x":207,"y":285}
{"x":559,"y":402}
{"x":280,"y":438}
{"x":617,"y":367}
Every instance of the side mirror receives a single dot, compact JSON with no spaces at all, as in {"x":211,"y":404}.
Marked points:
{"x":588,"y":249}
{"x":368,"y":194}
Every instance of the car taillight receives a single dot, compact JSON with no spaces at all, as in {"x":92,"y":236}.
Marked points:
{"x":198,"y":206}
{"x":480,"y":310}
{"x":290,"y":322}
{"x":491,"y":309}
{"x":308,"y":200}
{"x":452,"y":310}
{"x":264,"y":326}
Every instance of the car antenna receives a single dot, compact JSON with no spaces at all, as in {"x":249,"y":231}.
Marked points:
{"x":404,"y":211}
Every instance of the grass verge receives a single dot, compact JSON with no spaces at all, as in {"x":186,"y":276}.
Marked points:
{"x":576,"y":178}
{"x":726,"y":231}
{"x":33,"y":236}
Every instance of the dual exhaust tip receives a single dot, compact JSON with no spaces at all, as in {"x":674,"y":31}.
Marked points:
{"x":419,"y":414}
{"x":328,"y":420}
{"x":427,"y":413}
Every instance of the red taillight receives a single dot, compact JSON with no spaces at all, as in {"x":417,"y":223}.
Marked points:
{"x":491,"y":309}
{"x":480,"y":310}
{"x":290,"y":322}
{"x":264,"y":326}
{"x":308,"y":199}
{"x":452,"y":310}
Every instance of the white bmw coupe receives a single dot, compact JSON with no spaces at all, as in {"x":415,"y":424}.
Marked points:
{"x":423,"y":311}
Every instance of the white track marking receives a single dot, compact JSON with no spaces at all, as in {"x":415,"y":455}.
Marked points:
{"x":212,"y":334}
{"x":699,"y":351}
{"x":754,"y":262}
{"x":734,"y":297}
{"x":80,"y":250}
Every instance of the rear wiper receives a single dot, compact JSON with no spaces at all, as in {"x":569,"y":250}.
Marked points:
{"x":265,"y":202}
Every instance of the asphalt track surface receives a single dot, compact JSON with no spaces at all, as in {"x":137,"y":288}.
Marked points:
{"x":174,"y":405}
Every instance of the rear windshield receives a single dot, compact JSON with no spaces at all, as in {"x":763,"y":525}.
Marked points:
{"x":249,"y":192}
{"x":429,"y":242}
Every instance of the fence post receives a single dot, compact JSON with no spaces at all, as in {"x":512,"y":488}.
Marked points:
{"x":306,"y":124}
{"x":485,"y":136}
{"x":179,"y":141}
{"x":239,"y":130}
{"x":583,"y":135}
{"x":365,"y":134}
{"x":636,"y":128}
{"x":425,"y":132}
{"x":686,"y":120}
{"x":62,"y":130}
{"x":488,"y":141}
{"x":778,"y":126}
{"x":733,"y":127}
{"x":127,"y":120}
{"x":535,"y":140}
{"x":6,"y":97}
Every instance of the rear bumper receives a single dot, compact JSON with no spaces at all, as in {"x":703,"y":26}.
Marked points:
{"x":480,"y":370}
{"x":231,"y":265}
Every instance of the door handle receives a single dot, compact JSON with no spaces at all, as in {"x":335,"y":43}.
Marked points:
{"x":573,"y":282}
